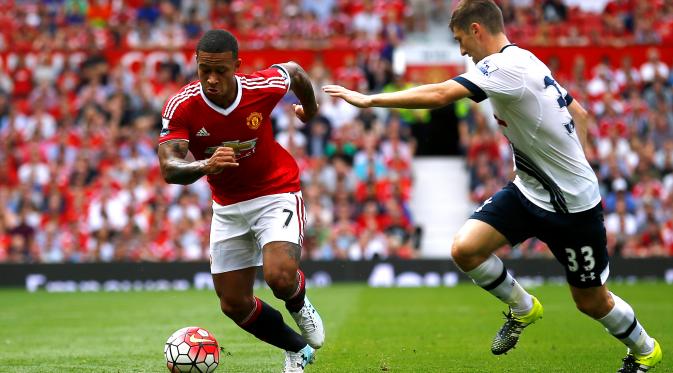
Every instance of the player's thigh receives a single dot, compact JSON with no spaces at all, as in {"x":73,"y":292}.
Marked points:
{"x":281,"y":261}
{"x":281,"y":255}
{"x":232,"y":244}
{"x":477,"y":237}
{"x":234,"y":285}
{"x":501,"y":219}
{"x":579,"y":243}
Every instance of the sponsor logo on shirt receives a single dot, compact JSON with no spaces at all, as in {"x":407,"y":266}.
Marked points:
{"x":241,"y":149}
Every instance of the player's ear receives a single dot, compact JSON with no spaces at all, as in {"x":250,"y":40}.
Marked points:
{"x":475,"y":28}
{"x":237,"y":64}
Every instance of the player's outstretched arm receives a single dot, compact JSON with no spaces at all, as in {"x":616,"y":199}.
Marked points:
{"x":428,"y":96}
{"x":177,"y":170}
{"x":303,"y":89}
{"x":582,"y":119}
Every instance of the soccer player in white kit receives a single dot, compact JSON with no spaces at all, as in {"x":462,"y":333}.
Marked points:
{"x":554,"y":195}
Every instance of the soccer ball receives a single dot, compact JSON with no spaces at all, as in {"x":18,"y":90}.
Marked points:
{"x":191,"y":349}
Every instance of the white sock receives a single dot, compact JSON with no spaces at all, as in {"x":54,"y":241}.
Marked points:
{"x":494,"y":278}
{"x":622,"y":323}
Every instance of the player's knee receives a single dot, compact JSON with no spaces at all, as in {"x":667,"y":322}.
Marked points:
{"x":235,"y":308}
{"x":463,"y":252}
{"x":281,"y":282}
{"x":594,"y":307}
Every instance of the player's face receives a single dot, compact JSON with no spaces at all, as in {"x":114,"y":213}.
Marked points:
{"x":216,"y":73}
{"x":469,"y":44}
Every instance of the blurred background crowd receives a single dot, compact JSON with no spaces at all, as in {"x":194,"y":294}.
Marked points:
{"x":79,"y":177}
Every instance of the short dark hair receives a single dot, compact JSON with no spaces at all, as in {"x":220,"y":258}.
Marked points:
{"x":218,"y":41}
{"x":483,"y":12}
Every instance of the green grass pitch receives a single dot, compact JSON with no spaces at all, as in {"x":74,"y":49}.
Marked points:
{"x":368,"y":330}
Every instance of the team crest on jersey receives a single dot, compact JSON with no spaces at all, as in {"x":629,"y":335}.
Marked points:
{"x":254,"y":120}
{"x":487,"y":67}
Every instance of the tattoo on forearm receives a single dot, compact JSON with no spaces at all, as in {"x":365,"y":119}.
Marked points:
{"x":174,"y":167}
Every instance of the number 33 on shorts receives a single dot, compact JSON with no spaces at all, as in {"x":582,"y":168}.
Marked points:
{"x":582,"y":261}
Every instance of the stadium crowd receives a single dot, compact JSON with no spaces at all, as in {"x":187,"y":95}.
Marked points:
{"x":588,"y":23}
{"x":79,"y":177}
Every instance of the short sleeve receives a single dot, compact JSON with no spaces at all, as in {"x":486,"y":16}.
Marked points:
{"x":173,"y":126}
{"x":285,"y":74}
{"x":489,"y":79}
{"x":274,"y":79}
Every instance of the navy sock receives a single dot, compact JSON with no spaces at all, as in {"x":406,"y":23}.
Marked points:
{"x":267,"y":324}
{"x":296,"y":301}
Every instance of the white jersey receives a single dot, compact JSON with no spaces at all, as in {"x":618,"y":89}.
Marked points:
{"x":531,"y":108}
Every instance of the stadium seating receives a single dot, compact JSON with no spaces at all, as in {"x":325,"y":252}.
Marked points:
{"x":79,"y":177}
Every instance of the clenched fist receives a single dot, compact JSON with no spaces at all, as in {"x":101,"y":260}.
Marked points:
{"x":224,"y":157}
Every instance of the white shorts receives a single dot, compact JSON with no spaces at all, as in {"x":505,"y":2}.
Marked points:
{"x":239,"y":231}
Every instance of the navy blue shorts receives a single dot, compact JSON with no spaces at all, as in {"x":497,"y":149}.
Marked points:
{"x":578,"y":240}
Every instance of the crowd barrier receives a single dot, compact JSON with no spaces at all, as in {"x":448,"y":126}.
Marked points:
{"x":192,"y":275}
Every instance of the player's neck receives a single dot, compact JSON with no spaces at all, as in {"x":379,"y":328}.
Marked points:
{"x":496,"y":43}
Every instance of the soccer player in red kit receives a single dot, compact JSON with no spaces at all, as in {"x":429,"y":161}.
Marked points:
{"x":258,"y":210}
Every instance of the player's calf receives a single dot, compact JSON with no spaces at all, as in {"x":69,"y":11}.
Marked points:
{"x":266,"y":323}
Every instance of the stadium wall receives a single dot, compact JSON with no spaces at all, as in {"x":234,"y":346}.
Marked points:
{"x":91,"y":277}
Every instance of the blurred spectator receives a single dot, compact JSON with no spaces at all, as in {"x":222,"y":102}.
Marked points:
{"x":654,"y":68}
{"x":368,"y":21}
{"x":554,"y":11}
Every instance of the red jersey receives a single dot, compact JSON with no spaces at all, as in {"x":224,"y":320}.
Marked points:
{"x":264,"y":166}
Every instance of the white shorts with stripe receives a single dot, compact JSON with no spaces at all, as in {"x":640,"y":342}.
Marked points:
{"x":239,"y":231}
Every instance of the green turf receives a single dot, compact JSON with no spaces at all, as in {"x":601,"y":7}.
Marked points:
{"x":368,"y":330}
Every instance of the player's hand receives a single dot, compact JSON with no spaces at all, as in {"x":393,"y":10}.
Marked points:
{"x":352,"y":97}
{"x":301,"y":114}
{"x":224,"y":157}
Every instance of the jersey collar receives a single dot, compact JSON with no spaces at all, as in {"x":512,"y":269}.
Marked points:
{"x":232,"y":107}
{"x":507,"y":46}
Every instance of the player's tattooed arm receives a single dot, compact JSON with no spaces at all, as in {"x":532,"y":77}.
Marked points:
{"x":176,"y":169}
{"x":303,"y":89}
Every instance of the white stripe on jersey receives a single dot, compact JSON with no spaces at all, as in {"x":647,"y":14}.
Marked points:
{"x":173,"y":100}
{"x":261,"y":78}
{"x":178,"y":96}
{"x":183,"y":99}
{"x":267,"y":81}
{"x":264,"y":86}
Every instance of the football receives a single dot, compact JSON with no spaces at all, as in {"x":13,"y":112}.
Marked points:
{"x":192,"y":349}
